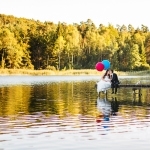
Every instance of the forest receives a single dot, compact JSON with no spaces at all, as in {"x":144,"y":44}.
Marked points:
{"x":32,"y":44}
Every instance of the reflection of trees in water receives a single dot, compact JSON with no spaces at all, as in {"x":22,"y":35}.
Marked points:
{"x":147,"y":99}
{"x":62,"y":98}
{"x":14,"y":99}
{"x":127,"y":97}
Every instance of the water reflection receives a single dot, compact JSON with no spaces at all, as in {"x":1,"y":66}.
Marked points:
{"x":107,"y":109}
{"x":68,"y":115}
{"x":116,"y":116}
{"x":104,"y":106}
{"x":114,"y":106}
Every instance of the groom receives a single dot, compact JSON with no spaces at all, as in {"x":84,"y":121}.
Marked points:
{"x":114,"y":81}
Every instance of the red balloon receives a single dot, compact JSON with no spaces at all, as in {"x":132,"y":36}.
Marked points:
{"x":99,"y":66}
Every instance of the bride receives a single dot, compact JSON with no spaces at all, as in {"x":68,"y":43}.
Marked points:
{"x":105,"y":83}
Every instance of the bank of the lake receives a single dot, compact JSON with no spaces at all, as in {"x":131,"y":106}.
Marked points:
{"x":66,"y":72}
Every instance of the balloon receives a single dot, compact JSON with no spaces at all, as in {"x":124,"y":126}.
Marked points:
{"x":99,"y":66}
{"x":106,"y":64}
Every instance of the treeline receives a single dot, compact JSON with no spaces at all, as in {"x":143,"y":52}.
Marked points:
{"x":29,"y":44}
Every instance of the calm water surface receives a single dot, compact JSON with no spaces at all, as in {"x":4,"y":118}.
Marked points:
{"x":65,"y":113}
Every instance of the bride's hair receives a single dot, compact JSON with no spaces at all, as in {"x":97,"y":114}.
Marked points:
{"x":106,"y":74}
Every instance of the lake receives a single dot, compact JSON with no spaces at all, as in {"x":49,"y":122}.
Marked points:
{"x":65,"y":113}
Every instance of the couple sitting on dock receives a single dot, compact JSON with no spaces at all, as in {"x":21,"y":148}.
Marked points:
{"x":108,"y":80}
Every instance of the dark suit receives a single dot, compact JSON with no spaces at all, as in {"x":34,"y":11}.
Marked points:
{"x":114,"y":82}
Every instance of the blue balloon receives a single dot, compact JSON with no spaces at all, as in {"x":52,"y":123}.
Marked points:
{"x":106,"y":64}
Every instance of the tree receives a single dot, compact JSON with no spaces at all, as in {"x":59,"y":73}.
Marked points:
{"x":135,"y":60}
{"x":59,"y":46}
{"x":11,"y":52}
{"x":147,"y":48}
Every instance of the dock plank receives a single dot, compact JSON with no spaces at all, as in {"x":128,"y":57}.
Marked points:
{"x":135,"y":85}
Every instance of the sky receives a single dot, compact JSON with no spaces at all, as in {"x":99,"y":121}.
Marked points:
{"x":115,"y":12}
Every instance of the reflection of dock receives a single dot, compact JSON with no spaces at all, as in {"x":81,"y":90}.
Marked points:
{"x":135,"y":87}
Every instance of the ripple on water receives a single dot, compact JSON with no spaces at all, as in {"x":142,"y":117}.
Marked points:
{"x":32,"y":129}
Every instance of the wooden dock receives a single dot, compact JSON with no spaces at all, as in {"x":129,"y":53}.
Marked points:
{"x":135,"y":85}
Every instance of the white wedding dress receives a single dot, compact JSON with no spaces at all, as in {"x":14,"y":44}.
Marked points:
{"x":103,"y":85}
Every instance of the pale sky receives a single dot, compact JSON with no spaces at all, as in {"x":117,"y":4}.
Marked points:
{"x":134,"y":12}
